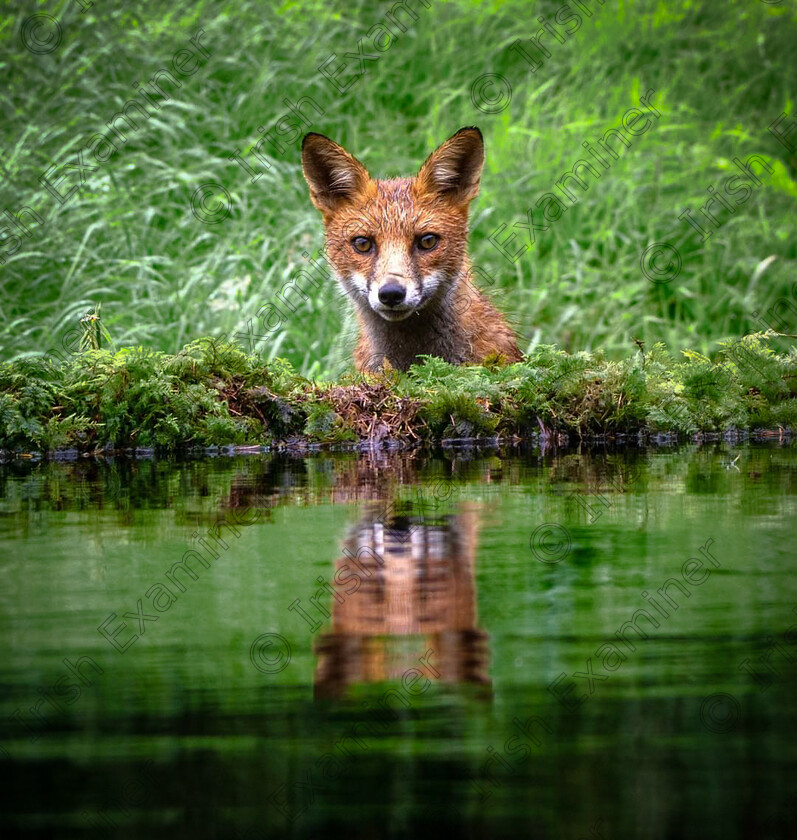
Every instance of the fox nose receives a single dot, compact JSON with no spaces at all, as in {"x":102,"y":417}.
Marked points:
{"x":391,"y":294}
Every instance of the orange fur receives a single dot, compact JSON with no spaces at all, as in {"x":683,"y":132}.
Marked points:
{"x":410,"y":299}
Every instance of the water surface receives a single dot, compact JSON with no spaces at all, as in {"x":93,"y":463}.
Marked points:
{"x":567,"y":644}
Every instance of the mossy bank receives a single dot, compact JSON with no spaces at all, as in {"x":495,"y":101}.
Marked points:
{"x":212,"y":394}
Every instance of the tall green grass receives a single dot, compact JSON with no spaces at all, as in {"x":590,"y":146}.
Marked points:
{"x":722,"y":73}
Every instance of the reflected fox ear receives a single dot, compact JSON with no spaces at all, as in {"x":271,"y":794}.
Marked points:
{"x":333,"y":175}
{"x":454,"y":169}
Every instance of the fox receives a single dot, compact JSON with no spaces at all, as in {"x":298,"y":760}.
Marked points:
{"x":399,"y":250}
{"x":404,"y":576}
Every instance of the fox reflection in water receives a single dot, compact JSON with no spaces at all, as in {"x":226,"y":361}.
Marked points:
{"x":400,"y":577}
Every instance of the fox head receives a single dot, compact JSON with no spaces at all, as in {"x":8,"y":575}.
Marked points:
{"x":396,"y":245}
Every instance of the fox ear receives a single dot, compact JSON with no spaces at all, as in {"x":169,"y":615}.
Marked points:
{"x":333,"y":175}
{"x":454,"y":169}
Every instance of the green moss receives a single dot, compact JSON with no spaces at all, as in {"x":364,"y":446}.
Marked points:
{"x":324,"y":425}
{"x":211,"y":393}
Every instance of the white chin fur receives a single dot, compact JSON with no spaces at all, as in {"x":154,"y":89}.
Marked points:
{"x":392,"y":314}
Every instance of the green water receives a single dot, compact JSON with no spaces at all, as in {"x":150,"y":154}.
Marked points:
{"x":457,"y":669}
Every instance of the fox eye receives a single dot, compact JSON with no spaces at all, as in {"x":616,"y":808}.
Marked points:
{"x":428,"y":241}
{"x":363,"y":244}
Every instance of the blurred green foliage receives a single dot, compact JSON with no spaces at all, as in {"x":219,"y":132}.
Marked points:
{"x":722,"y":73}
